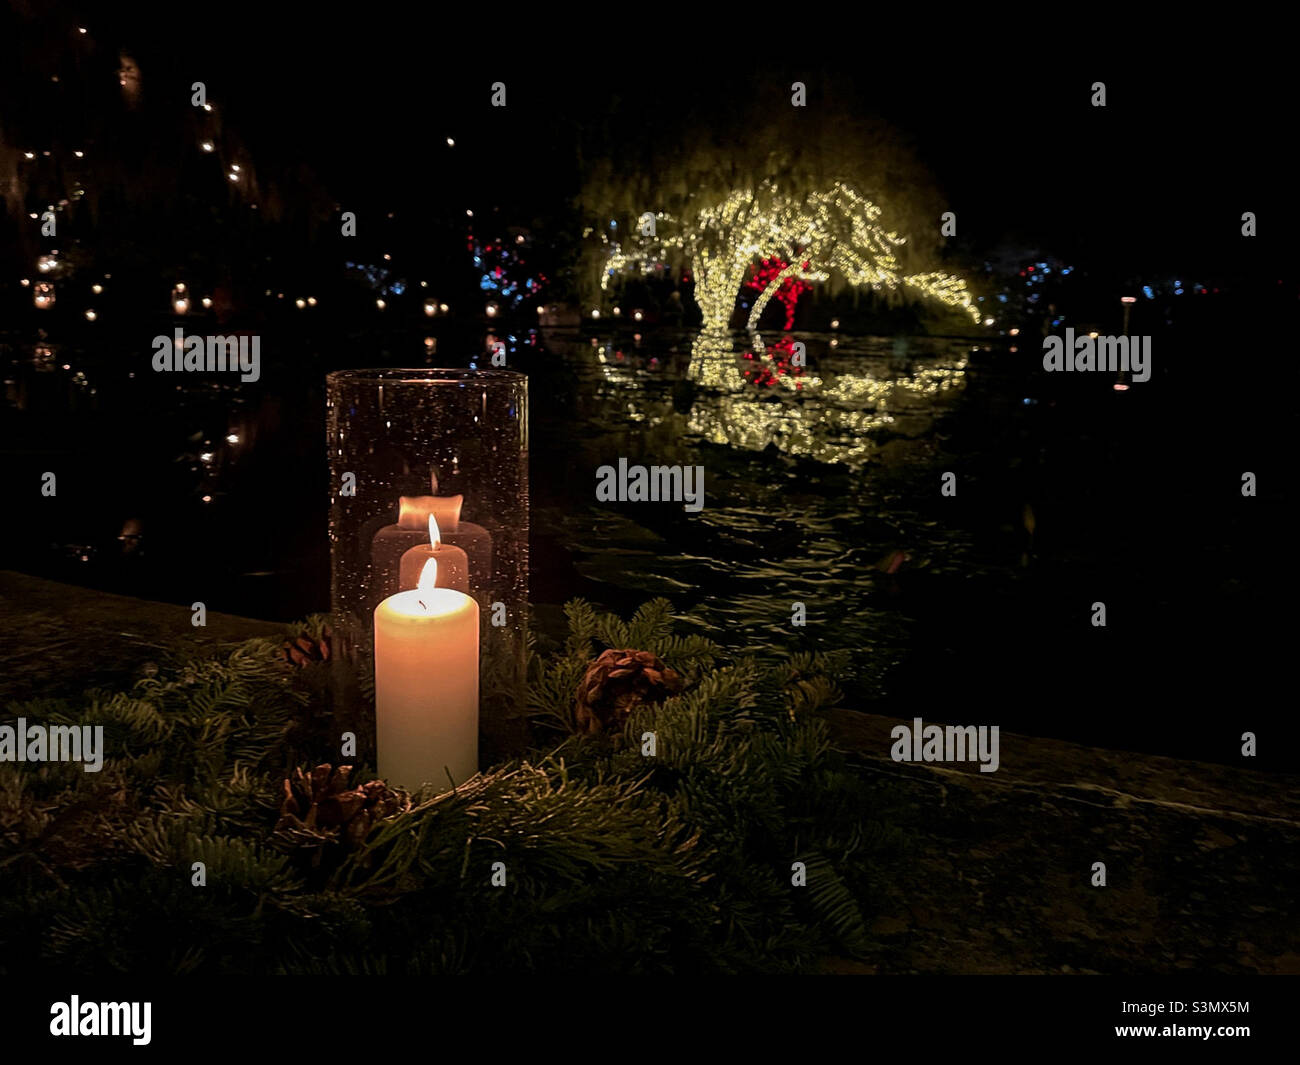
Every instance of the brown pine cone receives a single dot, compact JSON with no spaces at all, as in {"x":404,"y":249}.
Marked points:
{"x":322,"y":808}
{"x":617,"y":683}
{"x":303,"y":650}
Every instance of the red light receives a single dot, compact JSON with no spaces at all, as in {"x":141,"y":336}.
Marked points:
{"x":1031,"y":269}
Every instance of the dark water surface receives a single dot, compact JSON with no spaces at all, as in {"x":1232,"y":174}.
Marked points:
{"x":970,"y":608}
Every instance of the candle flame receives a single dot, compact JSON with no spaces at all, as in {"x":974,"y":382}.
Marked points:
{"x":428,"y":576}
{"x":435,"y":534}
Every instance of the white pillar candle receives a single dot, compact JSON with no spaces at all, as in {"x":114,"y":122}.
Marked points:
{"x":426,"y":685}
{"x":453,"y":565}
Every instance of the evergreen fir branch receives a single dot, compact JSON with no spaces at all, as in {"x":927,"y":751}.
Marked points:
{"x":615,"y":862}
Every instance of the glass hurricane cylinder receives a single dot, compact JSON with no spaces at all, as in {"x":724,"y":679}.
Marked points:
{"x":431,"y":465}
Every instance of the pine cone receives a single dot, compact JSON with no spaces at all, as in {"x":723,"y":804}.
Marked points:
{"x":304,"y":650}
{"x":321,"y":807}
{"x":617,"y":683}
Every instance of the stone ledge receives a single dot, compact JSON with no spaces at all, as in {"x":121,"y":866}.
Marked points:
{"x":60,"y":639}
{"x":996,"y":871}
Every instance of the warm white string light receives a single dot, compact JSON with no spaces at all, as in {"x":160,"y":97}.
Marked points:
{"x":835,"y":232}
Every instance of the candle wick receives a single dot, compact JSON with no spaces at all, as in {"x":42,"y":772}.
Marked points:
{"x":423,"y":607}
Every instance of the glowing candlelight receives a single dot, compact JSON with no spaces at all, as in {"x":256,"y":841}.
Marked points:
{"x":426,"y":684}
{"x":452,"y":563}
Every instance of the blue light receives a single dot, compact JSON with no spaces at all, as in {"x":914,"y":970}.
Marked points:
{"x":1067,"y":270}
{"x":1146,"y":291}
{"x":1178,"y":292}
{"x":397,"y":288}
{"x":1002,"y":297}
{"x":1047,"y":269}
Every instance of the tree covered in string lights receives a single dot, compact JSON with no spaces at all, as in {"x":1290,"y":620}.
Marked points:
{"x":830,"y":196}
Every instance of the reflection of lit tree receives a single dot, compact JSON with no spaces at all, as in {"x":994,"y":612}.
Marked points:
{"x":849,"y":418}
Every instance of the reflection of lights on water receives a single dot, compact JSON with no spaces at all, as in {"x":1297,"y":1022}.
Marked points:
{"x":206,"y":456}
{"x":232,"y":438}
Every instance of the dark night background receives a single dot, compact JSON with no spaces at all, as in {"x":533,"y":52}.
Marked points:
{"x":1138,"y":497}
